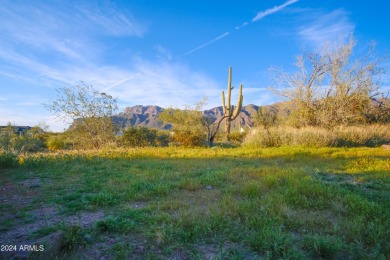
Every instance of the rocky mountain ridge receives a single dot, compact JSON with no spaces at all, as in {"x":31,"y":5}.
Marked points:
{"x":147,"y":116}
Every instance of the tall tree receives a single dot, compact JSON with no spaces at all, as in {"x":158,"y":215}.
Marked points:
{"x":90,"y":111}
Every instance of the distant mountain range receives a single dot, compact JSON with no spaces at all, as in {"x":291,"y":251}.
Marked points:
{"x":148,"y":116}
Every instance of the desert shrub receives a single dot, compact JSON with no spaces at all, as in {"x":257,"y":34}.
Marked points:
{"x":13,"y":143}
{"x":30,"y":143}
{"x":372,"y":136}
{"x":56,"y":142}
{"x":139,"y":137}
{"x":7,"y":160}
{"x":188,"y":138}
{"x":271,"y":137}
{"x":36,"y":138}
{"x":237,"y":137}
{"x":267,"y":117}
{"x":74,"y":236}
{"x":312,"y":137}
{"x":162,"y":138}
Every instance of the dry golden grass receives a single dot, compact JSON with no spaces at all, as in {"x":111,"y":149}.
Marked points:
{"x":342,"y":136}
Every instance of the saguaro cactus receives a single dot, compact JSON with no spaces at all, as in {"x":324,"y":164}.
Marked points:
{"x":229,"y":113}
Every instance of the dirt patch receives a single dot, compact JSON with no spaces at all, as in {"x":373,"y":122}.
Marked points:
{"x":179,"y":255}
{"x":20,"y":195}
{"x":139,"y":204}
{"x":228,"y":250}
{"x":209,"y":251}
{"x":136,"y":246}
{"x":201,"y":202}
{"x":46,"y":217}
{"x":85,"y":219}
{"x":347,"y":180}
{"x":32,"y":183}
{"x":13,"y":200}
{"x":17,"y":198}
{"x":50,"y":216}
{"x":342,"y":179}
{"x":95,"y":251}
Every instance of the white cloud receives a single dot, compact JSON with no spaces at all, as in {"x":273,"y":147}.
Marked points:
{"x":113,"y":21}
{"x":162,"y":53}
{"x":165,"y":84}
{"x":28,"y":104}
{"x":257,"y":95}
{"x":320,"y":28}
{"x":148,"y":83}
{"x":25,"y":68}
{"x":65,"y":28}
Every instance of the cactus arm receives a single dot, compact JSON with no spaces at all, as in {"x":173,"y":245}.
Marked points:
{"x":223,"y":103}
{"x":239,"y":104}
{"x":229,"y":92}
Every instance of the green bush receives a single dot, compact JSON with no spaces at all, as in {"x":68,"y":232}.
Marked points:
{"x":188,"y":138}
{"x":74,"y":237}
{"x":237,"y":137}
{"x":55,"y":142}
{"x":162,"y":138}
{"x":143,"y":136}
{"x":139,"y":137}
{"x":15,"y":143}
{"x":7,"y":160}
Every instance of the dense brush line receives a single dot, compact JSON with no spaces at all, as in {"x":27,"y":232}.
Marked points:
{"x":341,"y":136}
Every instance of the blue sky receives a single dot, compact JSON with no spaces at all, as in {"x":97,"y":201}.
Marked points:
{"x":167,"y":53}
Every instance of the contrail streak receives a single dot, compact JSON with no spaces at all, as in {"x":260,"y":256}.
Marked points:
{"x":272,"y":10}
{"x":259,"y":16}
{"x":204,"y":45}
{"x":115,"y":84}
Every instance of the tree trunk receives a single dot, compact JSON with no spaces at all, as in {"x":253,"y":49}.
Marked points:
{"x":227,"y":127}
{"x":211,"y":141}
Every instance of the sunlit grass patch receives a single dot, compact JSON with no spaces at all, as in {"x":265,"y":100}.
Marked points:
{"x":368,"y":164}
{"x":286,"y":202}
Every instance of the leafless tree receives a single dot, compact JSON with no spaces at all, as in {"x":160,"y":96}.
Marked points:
{"x":330,"y":87}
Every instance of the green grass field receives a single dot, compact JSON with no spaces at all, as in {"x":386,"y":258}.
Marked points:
{"x":219,"y":203}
